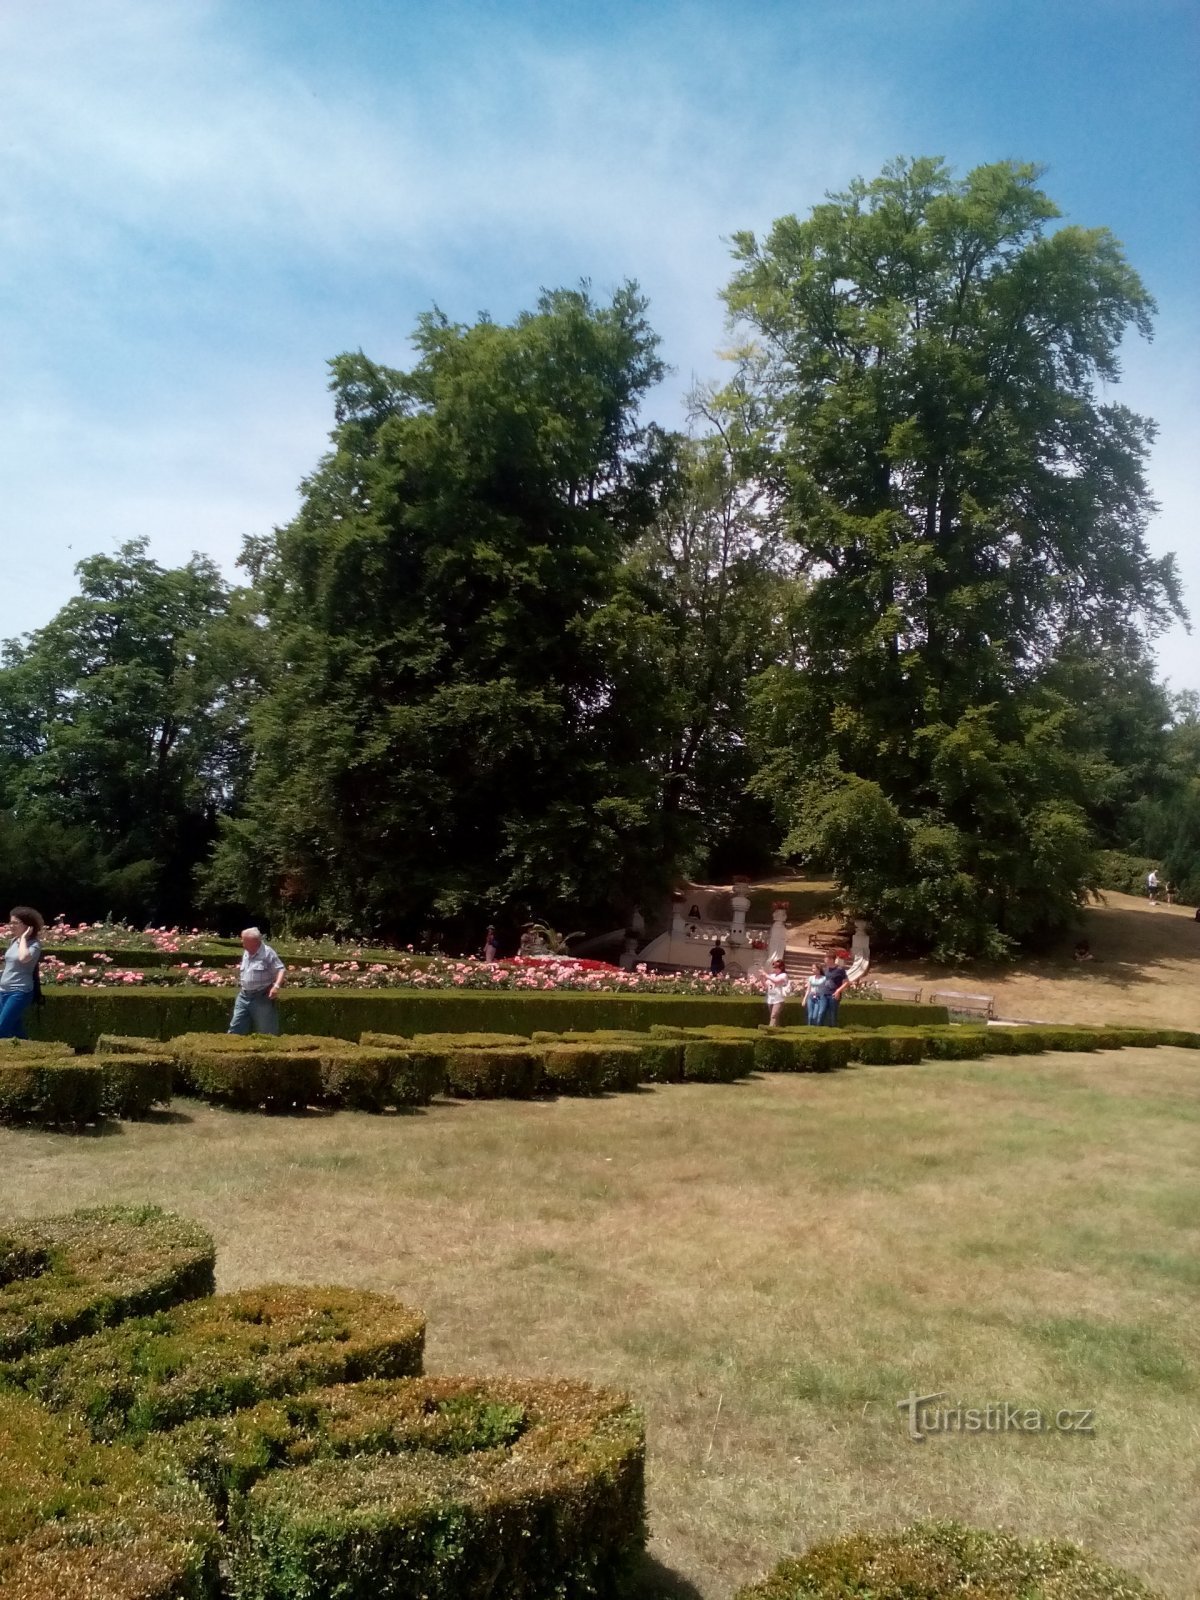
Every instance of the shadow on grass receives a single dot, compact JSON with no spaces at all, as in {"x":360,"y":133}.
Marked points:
{"x":650,"y":1580}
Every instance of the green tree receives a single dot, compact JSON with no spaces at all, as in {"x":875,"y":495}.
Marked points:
{"x":121,"y":725}
{"x":701,"y":610}
{"x":968,"y":505}
{"x":440,"y":734}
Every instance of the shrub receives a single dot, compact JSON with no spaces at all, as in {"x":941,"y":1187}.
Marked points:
{"x":64,"y":1092}
{"x":1180,"y":1038}
{"x":79,"y":1519}
{"x":820,"y":1050}
{"x":956,"y":1044}
{"x":221,"y":1353}
{"x":20,"y":1050}
{"x":80,"y":1015}
{"x":132,"y":1084}
{"x":717,"y":1060}
{"x":273,"y":1077}
{"x":443,"y":1487}
{"x":579,"y":1068}
{"x":88,"y":1269}
{"x":357,"y":1078}
{"x":469,"y":1041}
{"x":115,"y":1044}
{"x":489,"y":1074}
{"x":882,"y":1048}
{"x":1127,"y":874}
{"x":927,"y":1562}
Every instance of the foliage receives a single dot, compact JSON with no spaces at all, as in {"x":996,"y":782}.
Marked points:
{"x":80,"y":1519}
{"x":936,"y":1561}
{"x":78,"y":1017}
{"x":219,"y":1353}
{"x":121,"y":734}
{"x":278,"y":1441}
{"x":968,"y":508}
{"x":439,"y":729}
{"x":91,"y":1268}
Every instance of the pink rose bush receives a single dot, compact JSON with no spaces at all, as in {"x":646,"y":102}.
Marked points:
{"x":73,"y":960}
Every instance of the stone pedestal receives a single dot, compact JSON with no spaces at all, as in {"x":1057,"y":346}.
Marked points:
{"x":741,"y":904}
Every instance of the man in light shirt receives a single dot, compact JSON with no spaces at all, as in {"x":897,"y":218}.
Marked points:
{"x":260,"y":978}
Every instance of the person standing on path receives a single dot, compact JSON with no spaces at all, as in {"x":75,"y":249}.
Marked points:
{"x":18,"y":982}
{"x":716,"y":959}
{"x":779,"y":987}
{"x":260,"y":978}
{"x":489,"y":945}
{"x":1152,"y":886}
{"x":837,"y":981}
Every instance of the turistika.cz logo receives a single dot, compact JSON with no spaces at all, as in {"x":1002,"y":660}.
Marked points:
{"x":926,"y":1416}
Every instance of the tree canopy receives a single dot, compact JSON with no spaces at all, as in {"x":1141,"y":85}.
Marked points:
{"x":884,"y":606}
{"x":970,"y":508}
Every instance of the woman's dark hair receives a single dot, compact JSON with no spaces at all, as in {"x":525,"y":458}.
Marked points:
{"x":32,"y":919}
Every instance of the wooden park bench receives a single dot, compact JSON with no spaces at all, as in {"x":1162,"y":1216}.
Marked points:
{"x":897,"y":991}
{"x":978,"y":1005}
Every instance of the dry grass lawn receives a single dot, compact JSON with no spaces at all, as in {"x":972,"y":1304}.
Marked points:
{"x":768,"y":1267}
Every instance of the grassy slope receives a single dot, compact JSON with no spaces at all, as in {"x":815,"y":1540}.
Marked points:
{"x":1146,"y":968}
{"x":768,"y":1267}
{"x":1146,"y":971}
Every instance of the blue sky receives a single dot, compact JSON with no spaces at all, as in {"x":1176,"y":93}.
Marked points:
{"x":203,"y":200}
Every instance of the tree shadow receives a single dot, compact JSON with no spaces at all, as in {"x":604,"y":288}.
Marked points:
{"x":650,"y":1580}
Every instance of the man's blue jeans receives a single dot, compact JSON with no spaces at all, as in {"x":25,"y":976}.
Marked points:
{"x":829,"y":1017}
{"x":12,"y":1014}
{"x":254,"y":1013}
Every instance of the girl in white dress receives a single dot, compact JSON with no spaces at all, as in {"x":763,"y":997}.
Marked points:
{"x":779,"y":987}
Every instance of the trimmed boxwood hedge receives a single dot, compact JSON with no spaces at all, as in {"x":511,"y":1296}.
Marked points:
{"x":79,"y":1016}
{"x":217,"y":1354}
{"x":135,"y":1083}
{"x":78,"y":1519}
{"x":929,"y":1561}
{"x":67,"y":1092}
{"x":490,"y":1074}
{"x":281,"y":1441}
{"x":443,"y":1487}
{"x":70,"y":1275}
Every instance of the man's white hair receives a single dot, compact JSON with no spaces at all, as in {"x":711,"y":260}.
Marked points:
{"x":251,"y":933}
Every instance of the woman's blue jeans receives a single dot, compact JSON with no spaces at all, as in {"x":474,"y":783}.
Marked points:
{"x":814,"y":1008}
{"x":12,"y":1014}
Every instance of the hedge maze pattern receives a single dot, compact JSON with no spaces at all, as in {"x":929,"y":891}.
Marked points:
{"x":162,"y":1442}
{"x":127,"y":1075}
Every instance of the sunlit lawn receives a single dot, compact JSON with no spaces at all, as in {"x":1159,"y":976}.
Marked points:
{"x":768,"y":1267}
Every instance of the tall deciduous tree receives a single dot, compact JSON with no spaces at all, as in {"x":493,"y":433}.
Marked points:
{"x":701,"y":610}
{"x":121,"y":725}
{"x":440,"y":732}
{"x":967,"y":501}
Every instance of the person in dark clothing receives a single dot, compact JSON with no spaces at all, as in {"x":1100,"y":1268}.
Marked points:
{"x":716,"y":960}
{"x":837,"y":981}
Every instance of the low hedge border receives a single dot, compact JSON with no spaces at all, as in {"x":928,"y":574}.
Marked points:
{"x":442,"y":1487}
{"x":89,"y":1269}
{"x":218,"y":1354}
{"x":932,"y":1560}
{"x":65,"y":1093}
{"x":78,"y":1519}
{"x":79,"y":1016}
